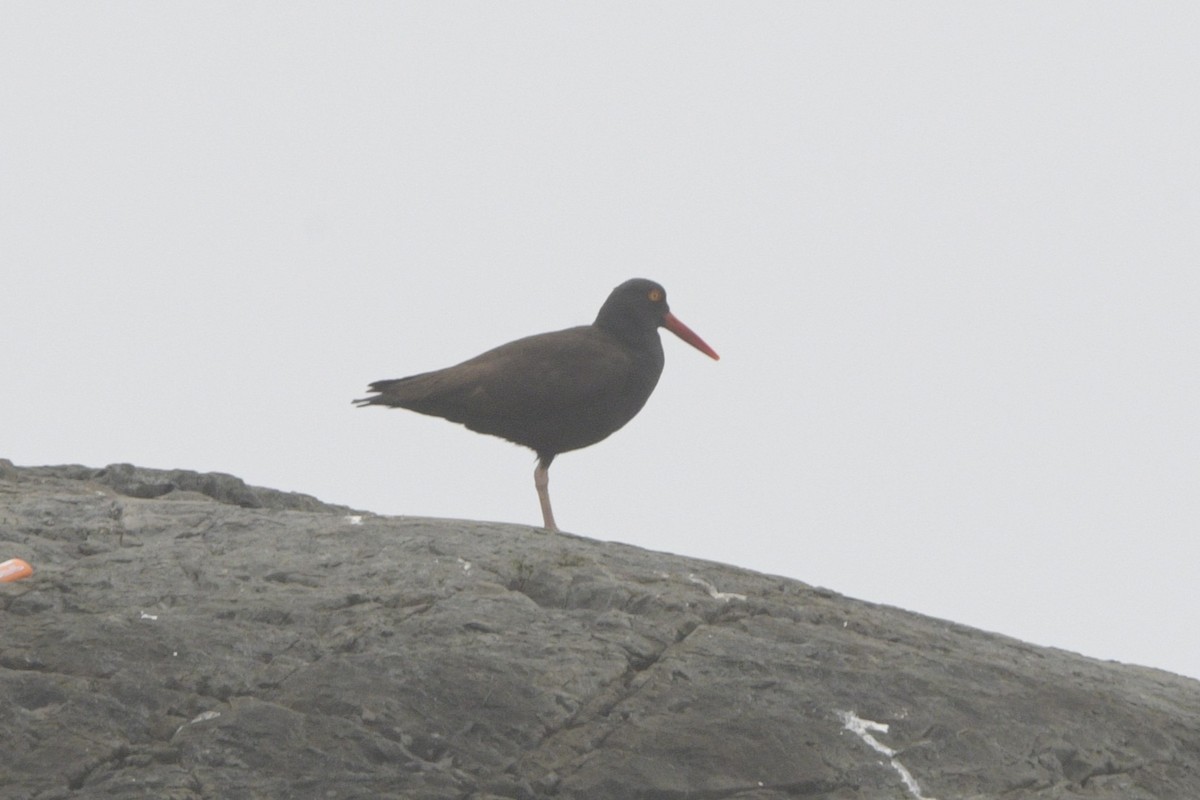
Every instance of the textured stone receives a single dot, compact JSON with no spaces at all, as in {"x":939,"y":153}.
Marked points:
{"x":185,"y":635}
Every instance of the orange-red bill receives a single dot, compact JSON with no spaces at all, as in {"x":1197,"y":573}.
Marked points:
{"x":672,"y":323}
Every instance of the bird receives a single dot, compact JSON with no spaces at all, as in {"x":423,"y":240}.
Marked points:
{"x":553,"y":392}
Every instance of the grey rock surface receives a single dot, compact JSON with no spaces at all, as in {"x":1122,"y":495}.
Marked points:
{"x":185,"y":635}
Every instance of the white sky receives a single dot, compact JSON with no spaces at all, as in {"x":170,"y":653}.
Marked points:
{"x":947,"y":251}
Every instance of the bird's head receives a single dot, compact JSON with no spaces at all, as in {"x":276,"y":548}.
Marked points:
{"x":640,"y":306}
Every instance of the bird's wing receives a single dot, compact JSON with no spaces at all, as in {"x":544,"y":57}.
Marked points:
{"x":550,"y":372}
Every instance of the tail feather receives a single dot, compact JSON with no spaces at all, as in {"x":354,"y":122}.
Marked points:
{"x":391,"y":393}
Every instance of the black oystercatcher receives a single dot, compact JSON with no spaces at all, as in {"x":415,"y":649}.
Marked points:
{"x":558,"y":391}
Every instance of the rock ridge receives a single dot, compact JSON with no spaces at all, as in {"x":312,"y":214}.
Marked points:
{"x":186,"y":635}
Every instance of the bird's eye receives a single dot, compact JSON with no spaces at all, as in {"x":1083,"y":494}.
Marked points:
{"x":655,"y":295}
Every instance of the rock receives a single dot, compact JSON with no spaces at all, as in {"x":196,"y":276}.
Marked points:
{"x":185,"y":635}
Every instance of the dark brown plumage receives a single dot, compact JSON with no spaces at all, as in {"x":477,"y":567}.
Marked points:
{"x":554,"y":392}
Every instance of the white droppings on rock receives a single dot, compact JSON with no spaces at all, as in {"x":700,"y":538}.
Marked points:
{"x":862,"y":728}
{"x":712,"y":590}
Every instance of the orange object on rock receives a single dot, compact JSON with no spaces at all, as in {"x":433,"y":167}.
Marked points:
{"x":14,"y":569}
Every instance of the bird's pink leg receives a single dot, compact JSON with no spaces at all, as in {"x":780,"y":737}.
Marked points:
{"x":541,"y":480}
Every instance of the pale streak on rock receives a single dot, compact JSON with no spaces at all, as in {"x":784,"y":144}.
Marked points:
{"x":862,"y":728}
{"x":712,"y":590}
